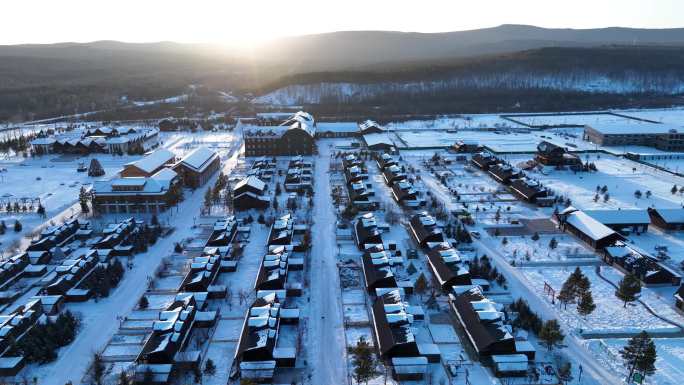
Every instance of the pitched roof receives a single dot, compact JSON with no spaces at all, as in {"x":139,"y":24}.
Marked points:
{"x":671,"y":215}
{"x":153,"y":160}
{"x":588,"y":225}
{"x":252,"y":181}
{"x":199,"y":159}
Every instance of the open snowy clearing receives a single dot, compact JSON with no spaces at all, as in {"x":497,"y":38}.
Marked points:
{"x":609,"y":317}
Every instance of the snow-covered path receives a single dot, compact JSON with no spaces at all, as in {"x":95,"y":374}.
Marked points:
{"x":326,"y":330}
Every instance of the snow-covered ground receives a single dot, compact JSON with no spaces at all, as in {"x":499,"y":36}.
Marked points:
{"x":609,"y":317}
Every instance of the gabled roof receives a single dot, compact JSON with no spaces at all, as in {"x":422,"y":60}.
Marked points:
{"x":251,"y":181}
{"x":588,"y":225}
{"x":153,"y":160}
{"x":199,"y":159}
{"x":671,"y":216}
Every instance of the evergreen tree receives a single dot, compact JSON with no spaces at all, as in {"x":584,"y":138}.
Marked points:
{"x":674,"y":190}
{"x":535,"y":236}
{"x":553,"y":243}
{"x":17,"y":226}
{"x":123,"y":378}
{"x":586,"y":304}
{"x":143,"y":303}
{"x":364,"y":361}
{"x":98,"y":369}
{"x":41,"y":210}
{"x":411,"y":269}
{"x":628,"y":288}
{"x":551,"y":334}
{"x":421,"y":284}
{"x":640,"y":355}
{"x":83,"y":198}
{"x":207,"y":200}
{"x":210,"y":368}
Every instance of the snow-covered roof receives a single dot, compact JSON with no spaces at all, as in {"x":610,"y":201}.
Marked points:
{"x":337,"y":127}
{"x":374,"y":139}
{"x":635,"y":128}
{"x":153,"y":160}
{"x":199,"y":159}
{"x":671,"y":215}
{"x":610,"y":217}
{"x":588,"y":225}
{"x":252,"y":181}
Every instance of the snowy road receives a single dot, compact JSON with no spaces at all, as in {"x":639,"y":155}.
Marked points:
{"x":326,"y":329}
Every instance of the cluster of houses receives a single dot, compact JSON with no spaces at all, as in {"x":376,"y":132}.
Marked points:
{"x":391,"y":315}
{"x":166,"y":349}
{"x":153,"y":184}
{"x":513,"y":178}
{"x":78,"y":250}
{"x":485,"y":322}
{"x":271,"y":317}
{"x":394,"y":174}
{"x":113,"y":140}
{"x":361,"y":194}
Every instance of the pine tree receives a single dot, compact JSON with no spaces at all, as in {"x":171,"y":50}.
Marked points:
{"x":207,"y":200}
{"x":83,"y":199}
{"x":41,"y":210}
{"x":421,"y":284}
{"x":640,"y":355}
{"x":411,"y":269}
{"x":123,"y":378}
{"x":586,"y":304}
{"x":17,"y":226}
{"x":210,"y":368}
{"x":628,"y":288}
{"x":363,"y":361}
{"x":674,"y":190}
{"x":551,"y":334}
{"x":98,"y":369}
{"x":553,"y":243}
{"x":143,"y":303}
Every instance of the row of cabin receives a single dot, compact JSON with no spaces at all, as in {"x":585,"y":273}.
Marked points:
{"x":111,"y":140}
{"x":394,"y":174}
{"x":487,"y":328}
{"x":361,"y":194}
{"x":392,"y":316}
{"x":514,"y":179}
{"x":299,"y":176}
{"x":259,"y":351}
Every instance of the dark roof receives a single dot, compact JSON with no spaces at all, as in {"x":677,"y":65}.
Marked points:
{"x":424,"y":229}
{"x":447,"y":267}
{"x":528,"y":189}
{"x":483,"y":326}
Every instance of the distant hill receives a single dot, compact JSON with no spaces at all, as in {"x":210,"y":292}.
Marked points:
{"x":64,"y":78}
{"x":339,"y":50}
